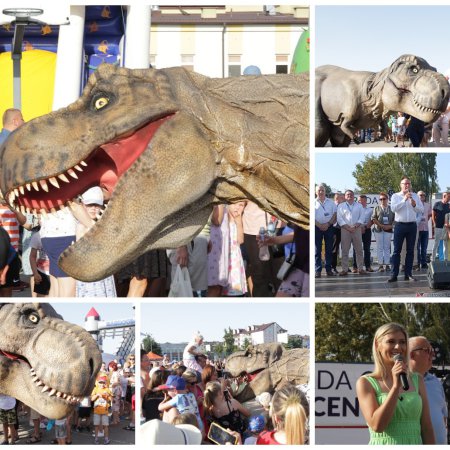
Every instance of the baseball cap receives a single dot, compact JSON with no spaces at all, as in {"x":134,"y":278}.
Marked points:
{"x":93,"y":196}
{"x":179,"y":383}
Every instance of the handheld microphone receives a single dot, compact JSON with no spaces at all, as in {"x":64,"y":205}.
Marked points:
{"x":403,"y":376}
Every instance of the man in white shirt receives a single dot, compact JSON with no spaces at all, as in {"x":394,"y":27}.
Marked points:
{"x":325,"y":216}
{"x":350,"y":217}
{"x":405,"y":205}
{"x":366,"y":234}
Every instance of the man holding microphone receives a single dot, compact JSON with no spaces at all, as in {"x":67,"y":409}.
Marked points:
{"x":406,"y":205}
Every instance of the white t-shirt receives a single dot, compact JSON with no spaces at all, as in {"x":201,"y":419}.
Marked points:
{"x":7,"y":402}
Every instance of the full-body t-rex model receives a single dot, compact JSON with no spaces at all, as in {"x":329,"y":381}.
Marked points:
{"x":348,"y":101}
{"x":45,"y":362}
{"x":268,"y":366}
{"x":168,"y":144}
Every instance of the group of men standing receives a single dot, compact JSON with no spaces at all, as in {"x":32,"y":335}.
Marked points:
{"x":347,"y":222}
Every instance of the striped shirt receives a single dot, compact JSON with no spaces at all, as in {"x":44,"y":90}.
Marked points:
{"x":9,"y":222}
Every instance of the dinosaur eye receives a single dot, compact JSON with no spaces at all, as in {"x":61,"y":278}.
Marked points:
{"x":34,"y":318}
{"x":414,"y":69}
{"x":101,"y":102}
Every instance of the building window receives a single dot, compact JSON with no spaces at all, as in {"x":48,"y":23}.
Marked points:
{"x":187,"y":61}
{"x":282,"y":64}
{"x":234,"y":65}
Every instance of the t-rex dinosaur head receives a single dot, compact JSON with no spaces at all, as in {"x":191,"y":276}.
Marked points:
{"x":414,"y":87}
{"x":168,"y":145}
{"x":45,"y":362}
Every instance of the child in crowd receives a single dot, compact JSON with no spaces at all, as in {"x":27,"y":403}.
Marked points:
{"x":288,"y":417}
{"x":101,"y":396}
{"x":264,"y":400}
{"x":179,"y":400}
{"x":8,"y":418}
{"x":255,"y":426}
{"x":61,"y":431}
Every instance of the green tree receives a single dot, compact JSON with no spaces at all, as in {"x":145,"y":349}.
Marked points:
{"x":344,"y":331}
{"x":228,"y":339}
{"x":246,"y":343}
{"x":294,"y":342}
{"x":150,"y":345}
{"x":383,"y":172}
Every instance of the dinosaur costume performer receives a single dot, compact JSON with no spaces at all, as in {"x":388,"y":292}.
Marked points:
{"x":45,"y":362}
{"x":348,"y":101}
{"x":168,"y":144}
{"x":268,"y":367}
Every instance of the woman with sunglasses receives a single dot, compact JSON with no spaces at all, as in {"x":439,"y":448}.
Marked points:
{"x":393,"y":401}
{"x":383,"y":218}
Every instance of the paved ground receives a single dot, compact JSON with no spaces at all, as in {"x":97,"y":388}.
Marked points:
{"x":375,"y":285}
{"x":117,"y":434}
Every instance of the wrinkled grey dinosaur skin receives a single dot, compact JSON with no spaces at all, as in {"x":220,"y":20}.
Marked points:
{"x":168,"y":144}
{"x":41,"y":352}
{"x":268,"y":366}
{"x":348,"y":101}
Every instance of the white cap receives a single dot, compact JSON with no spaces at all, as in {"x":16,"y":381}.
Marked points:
{"x":93,"y":196}
{"x":156,"y":432}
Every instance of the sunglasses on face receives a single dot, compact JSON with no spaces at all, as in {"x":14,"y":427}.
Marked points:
{"x":426,"y":350}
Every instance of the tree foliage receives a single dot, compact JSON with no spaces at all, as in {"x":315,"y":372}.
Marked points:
{"x":383,"y":172}
{"x":328,"y":190}
{"x":344,"y":331}
{"x":246,"y":343}
{"x":228,"y":339}
{"x":294,"y":342}
{"x":150,"y":345}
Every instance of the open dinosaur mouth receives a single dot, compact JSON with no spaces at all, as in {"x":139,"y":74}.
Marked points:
{"x":416,"y":102}
{"x":52,"y":392}
{"x":103,"y":167}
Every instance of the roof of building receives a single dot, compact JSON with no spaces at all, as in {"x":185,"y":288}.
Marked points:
{"x":256,"y":328}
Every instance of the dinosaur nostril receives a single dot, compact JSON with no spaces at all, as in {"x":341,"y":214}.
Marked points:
{"x":91,"y":366}
{"x":443,"y":93}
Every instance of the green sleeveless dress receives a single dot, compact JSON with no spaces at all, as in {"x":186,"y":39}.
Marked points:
{"x":404,"y":428}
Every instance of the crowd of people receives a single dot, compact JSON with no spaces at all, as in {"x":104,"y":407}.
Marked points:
{"x":111,"y":399}
{"x":402,"y":403}
{"x":238,"y":253}
{"x":195,"y":395}
{"x":345,"y":222}
{"x":399,"y":128}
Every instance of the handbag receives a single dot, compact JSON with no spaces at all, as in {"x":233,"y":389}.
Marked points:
{"x":287,"y":266}
{"x":181,"y":283}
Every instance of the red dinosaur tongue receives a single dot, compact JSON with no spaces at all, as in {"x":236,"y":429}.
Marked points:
{"x":104,"y":168}
{"x":125,"y":151}
{"x":9,"y":355}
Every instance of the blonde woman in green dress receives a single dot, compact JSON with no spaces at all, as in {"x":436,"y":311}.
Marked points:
{"x":394,"y":415}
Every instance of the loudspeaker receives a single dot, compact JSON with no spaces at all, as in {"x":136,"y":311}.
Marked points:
{"x":439,"y":274}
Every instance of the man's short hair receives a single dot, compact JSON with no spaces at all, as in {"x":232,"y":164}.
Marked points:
{"x":349,"y":190}
{"x":363,"y":196}
{"x":9,"y":114}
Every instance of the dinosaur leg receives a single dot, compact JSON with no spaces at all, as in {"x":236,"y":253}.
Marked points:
{"x":338,"y":138}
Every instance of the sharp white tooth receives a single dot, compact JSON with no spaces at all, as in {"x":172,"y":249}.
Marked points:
{"x":44,"y":185}
{"x":28,"y":185}
{"x":40,"y":383}
{"x":23,"y":209}
{"x":52,"y":392}
{"x":77,"y":167}
{"x":83,"y":163}
{"x":72,"y":174}
{"x":54,"y":182}
{"x":11,"y":197}
{"x":59,"y":394}
{"x":35,"y":378}
{"x":45,"y":389}
{"x":64,"y":178}
{"x":28,"y":210}
{"x":32,"y":370}
{"x":53,"y":210}
{"x":35,"y":185}
{"x":61,"y":207}
{"x":22,"y":190}
{"x":44,"y":212}
{"x":35,"y":211}
{"x":16,"y":191}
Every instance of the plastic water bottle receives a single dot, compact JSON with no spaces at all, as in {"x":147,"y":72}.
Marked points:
{"x":264,"y":254}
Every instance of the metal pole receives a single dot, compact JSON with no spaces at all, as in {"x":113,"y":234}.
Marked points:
{"x":16,"y":56}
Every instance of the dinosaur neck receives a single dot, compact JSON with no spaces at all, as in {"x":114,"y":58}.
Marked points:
{"x":372,"y":91}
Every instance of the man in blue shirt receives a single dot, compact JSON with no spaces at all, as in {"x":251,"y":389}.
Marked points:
{"x":421,"y":359}
{"x":12,"y":119}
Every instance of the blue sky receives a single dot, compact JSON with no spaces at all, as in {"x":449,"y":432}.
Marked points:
{"x":335,"y":169}
{"x":177,"y":322}
{"x":372,"y":37}
{"x":75,"y":312}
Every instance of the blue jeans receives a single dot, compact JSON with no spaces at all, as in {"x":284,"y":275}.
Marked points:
{"x":422,"y":244}
{"x":327,"y":237}
{"x":404,"y":231}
